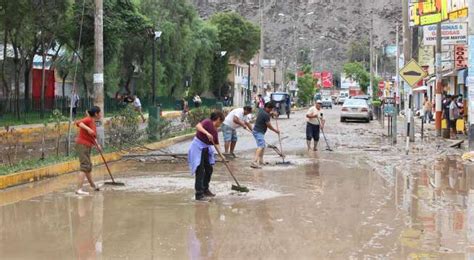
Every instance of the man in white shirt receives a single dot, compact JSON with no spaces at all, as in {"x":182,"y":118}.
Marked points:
{"x":314,"y":122}
{"x":138,"y":107}
{"x":239,"y":117}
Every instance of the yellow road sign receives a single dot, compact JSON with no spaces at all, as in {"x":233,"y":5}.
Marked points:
{"x":412,"y":73}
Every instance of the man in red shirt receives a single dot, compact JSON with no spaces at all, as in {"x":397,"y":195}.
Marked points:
{"x":201,"y":154}
{"x":85,"y":140}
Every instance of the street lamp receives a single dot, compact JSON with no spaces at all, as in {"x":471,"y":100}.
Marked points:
{"x":221,"y":55}
{"x":155,"y":37}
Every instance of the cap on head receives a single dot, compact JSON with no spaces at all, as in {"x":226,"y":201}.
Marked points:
{"x":319,"y":102}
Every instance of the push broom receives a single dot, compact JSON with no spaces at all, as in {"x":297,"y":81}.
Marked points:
{"x":113,"y":182}
{"x":237,"y":187}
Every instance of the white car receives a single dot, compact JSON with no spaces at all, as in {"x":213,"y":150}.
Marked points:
{"x":356,"y":109}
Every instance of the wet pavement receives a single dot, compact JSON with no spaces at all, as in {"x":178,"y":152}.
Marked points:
{"x":365,"y":200}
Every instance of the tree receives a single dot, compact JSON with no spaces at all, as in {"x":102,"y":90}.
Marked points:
{"x":239,"y":38}
{"x":306,"y":85}
{"x":356,"y":71}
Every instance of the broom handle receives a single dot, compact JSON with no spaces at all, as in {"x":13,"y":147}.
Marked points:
{"x":279,"y":137}
{"x":103,"y":159}
{"x":225,"y":163}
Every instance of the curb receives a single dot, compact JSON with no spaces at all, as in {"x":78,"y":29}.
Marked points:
{"x":54,"y":170}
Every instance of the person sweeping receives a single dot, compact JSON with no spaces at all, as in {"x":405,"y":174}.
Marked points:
{"x":314,"y":123}
{"x":239,"y":117}
{"x":261,"y":125}
{"x":85,"y":140}
{"x":201,"y":154}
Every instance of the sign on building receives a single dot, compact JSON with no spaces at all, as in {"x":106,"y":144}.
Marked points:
{"x":348,"y":82}
{"x":451,"y":34}
{"x":460,"y":56}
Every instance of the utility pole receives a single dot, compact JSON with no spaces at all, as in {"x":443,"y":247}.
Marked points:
{"x":397,"y":87}
{"x":470,"y":81}
{"x":153,"y":73}
{"x":406,"y":59}
{"x":439,"y":84}
{"x":99,"y":67}
{"x":371,"y":84}
{"x":261,"y":4}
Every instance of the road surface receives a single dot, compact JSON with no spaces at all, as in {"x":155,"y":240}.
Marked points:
{"x":366,"y":199}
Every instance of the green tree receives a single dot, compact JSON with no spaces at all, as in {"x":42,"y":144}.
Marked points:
{"x":239,"y":38}
{"x":306,"y":85}
{"x":357,"y":71}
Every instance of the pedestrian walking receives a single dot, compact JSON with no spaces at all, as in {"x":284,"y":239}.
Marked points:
{"x":259,"y":130}
{"x":85,"y":140}
{"x":260,"y":101}
{"x":75,"y":104}
{"x":314,"y":123}
{"x":197,"y":101}
{"x":453,"y":116}
{"x":239,"y":117}
{"x":427,"y":109}
{"x":138,"y":107}
{"x":201,"y":154}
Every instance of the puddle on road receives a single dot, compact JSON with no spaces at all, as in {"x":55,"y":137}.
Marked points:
{"x":173,"y":185}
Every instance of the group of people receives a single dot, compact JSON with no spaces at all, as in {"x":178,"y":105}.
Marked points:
{"x":201,"y":154}
{"x":452,"y":108}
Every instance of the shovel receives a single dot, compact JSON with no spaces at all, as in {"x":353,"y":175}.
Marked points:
{"x":237,"y":187}
{"x":113,"y":182}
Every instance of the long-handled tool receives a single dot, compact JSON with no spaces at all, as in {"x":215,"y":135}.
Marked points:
{"x":328,"y":148}
{"x":113,"y":182}
{"x":237,"y":187}
{"x":282,"y":155}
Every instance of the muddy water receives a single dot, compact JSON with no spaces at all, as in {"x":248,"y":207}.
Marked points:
{"x":354,"y":203}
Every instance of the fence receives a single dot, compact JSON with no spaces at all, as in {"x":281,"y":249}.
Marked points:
{"x":30,"y":109}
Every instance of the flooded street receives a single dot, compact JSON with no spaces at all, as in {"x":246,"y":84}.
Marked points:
{"x":365,"y":200}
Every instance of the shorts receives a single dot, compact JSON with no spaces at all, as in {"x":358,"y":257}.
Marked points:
{"x":312,"y":132}
{"x":84,"y":154}
{"x":230,"y":134}
{"x":260,"y":139}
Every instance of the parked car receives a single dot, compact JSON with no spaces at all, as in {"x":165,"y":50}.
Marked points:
{"x":326,"y":102}
{"x":342,"y":98}
{"x":357,"y":109}
{"x":369,"y":102}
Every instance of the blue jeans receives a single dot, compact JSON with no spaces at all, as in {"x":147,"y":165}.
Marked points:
{"x":259,"y":138}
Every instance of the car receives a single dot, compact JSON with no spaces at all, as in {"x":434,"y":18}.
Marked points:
{"x":369,"y":102}
{"x":282,"y":101}
{"x":342,"y":98}
{"x":357,"y":109}
{"x":326,"y":102}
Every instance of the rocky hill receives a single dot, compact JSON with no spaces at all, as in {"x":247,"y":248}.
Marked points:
{"x":322,"y":23}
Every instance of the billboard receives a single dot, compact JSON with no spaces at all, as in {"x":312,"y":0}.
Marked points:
{"x":327,"y":78}
{"x":457,"y":9}
{"x":268,"y":64}
{"x":451,"y":34}
{"x":428,"y":12}
{"x":348,"y":82}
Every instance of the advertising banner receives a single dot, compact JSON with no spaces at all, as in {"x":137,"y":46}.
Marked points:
{"x":451,"y":34}
{"x":460,"y":56}
{"x":348,"y":82}
{"x":327,"y":79}
{"x":457,"y":9}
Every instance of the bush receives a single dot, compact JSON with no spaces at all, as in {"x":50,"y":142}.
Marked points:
{"x":124,"y":128}
{"x":196,"y":115}
{"x":157,"y":130}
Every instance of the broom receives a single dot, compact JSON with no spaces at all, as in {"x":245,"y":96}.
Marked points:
{"x":237,"y":187}
{"x":113,"y":182}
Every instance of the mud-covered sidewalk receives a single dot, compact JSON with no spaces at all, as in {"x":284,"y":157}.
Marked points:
{"x":367,"y":199}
